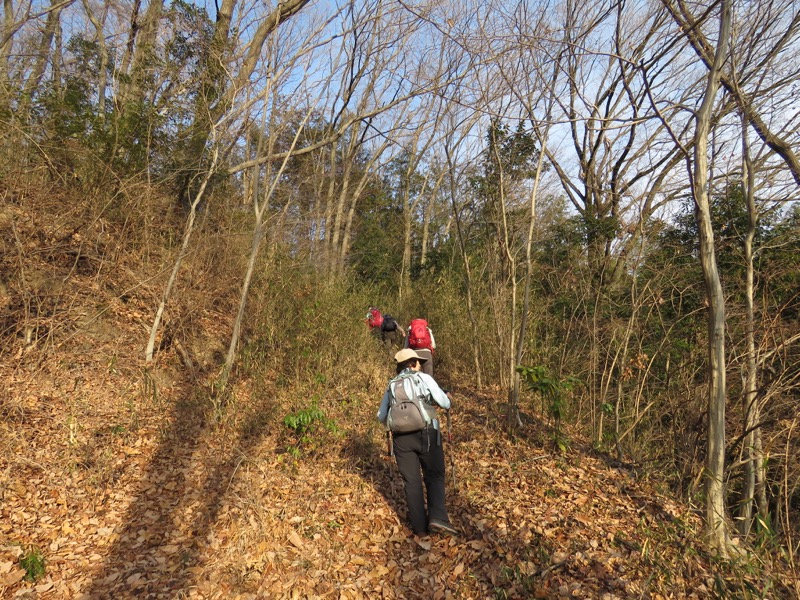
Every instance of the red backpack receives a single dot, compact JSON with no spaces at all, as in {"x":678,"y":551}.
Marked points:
{"x":374,"y":318}
{"x":419,"y":336}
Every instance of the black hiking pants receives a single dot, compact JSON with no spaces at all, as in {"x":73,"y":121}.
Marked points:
{"x":420,"y":456}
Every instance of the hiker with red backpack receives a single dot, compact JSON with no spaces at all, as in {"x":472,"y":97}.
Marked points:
{"x":374,"y":320}
{"x":420,"y":338}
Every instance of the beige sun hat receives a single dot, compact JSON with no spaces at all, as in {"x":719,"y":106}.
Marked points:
{"x":407,"y":354}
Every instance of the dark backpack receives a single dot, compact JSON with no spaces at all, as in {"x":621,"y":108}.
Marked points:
{"x":405,"y":414}
{"x":389,"y":324}
{"x":419,"y":336}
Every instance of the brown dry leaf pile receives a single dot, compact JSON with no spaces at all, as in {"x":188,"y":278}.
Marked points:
{"x":128,"y":494}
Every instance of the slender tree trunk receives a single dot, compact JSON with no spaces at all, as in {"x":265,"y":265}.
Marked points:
{"x":348,"y":226}
{"x":43,"y":57}
{"x":429,"y":211}
{"x":410,"y":204}
{"x":187,"y":236}
{"x":716,"y":521}
{"x":753,"y":490}
{"x":208,"y":107}
{"x":127,"y":56}
{"x":259,"y":230}
{"x":100,"y":40}
{"x":337,"y":207}
{"x":476,"y":357}
{"x":405,"y":266}
{"x":327,"y":218}
{"x":143,"y":39}
{"x":8,"y":25}
{"x":526,"y":294}
{"x":507,"y":306}
{"x":338,"y":220}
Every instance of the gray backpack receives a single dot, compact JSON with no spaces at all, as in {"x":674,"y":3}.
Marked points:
{"x":406,"y":414}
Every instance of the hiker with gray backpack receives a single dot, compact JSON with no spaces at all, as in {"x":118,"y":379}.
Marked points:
{"x":408,"y":411}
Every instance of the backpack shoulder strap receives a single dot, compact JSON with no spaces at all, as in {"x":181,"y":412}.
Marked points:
{"x":398,"y":384}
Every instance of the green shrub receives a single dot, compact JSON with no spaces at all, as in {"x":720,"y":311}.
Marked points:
{"x":33,"y":563}
{"x":554,"y":393}
{"x":308,"y":427}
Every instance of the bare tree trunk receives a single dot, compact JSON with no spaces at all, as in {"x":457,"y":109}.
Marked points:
{"x":754,"y":488}
{"x":206,"y":111}
{"x":5,"y":45}
{"x":143,"y":38}
{"x":348,"y":226}
{"x":526,"y":296}
{"x":428,"y":212}
{"x":329,"y":209}
{"x":339,"y":215}
{"x":411,"y":202}
{"x":476,"y":357}
{"x":127,"y":56}
{"x":260,"y":209}
{"x":217,"y":98}
{"x":507,"y":276}
{"x":100,"y":40}
{"x":43,"y":57}
{"x":187,"y":236}
{"x":716,"y":521}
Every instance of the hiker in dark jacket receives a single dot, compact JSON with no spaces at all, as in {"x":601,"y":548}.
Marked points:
{"x":392,"y":333}
{"x":419,"y":454}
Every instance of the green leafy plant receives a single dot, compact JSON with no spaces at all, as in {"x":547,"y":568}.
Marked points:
{"x":554,"y":393}
{"x":33,"y":563}
{"x":307,"y":426}
{"x":560,"y":441}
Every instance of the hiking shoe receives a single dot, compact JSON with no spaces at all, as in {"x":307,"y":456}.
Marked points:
{"x":440,"y":527}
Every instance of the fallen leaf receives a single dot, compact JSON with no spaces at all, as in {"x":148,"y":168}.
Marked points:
{"x":12,"y":577}
{"x":425,"y":545}
{"x":295,"y":540}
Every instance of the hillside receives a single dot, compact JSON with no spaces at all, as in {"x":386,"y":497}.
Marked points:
{"x":117,"y":480}
{"x":152,"y":500}
{"x":593,"y":204}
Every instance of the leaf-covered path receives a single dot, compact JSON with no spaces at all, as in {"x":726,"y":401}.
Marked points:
{"x":129,"y":493}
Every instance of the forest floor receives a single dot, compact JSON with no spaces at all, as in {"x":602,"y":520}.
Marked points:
{"x":129,"y":489}
{"x":117,"y":480}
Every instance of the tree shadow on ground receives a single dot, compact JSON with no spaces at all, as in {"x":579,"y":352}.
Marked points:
{"x":373,"y":464}
{"x":177,"y":501}
{"x":488,"y":556}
